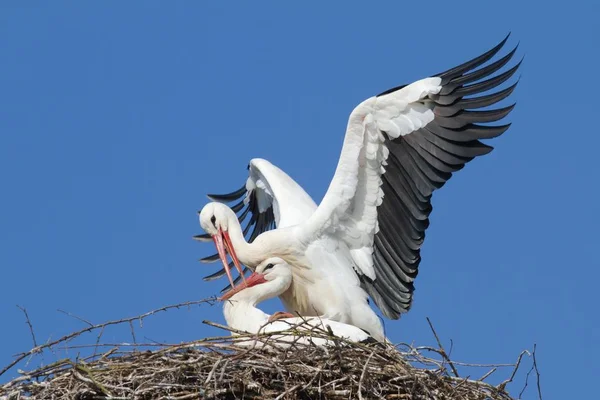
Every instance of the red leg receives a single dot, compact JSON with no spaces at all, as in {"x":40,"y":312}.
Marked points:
{"x":280,"y":315}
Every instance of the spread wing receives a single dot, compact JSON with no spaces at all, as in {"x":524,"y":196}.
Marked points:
{"x":269,"y":199}
{"x":400,"y":146}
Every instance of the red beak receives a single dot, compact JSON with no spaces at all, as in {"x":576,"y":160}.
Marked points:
{"x":253,"y":280}
{"x":224,"y":246}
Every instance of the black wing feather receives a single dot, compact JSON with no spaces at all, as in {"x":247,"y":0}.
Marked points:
{"x":423,"y":161}
{"x":259,"y":221}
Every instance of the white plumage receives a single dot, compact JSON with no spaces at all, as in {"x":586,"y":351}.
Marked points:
{"x":270,"y":279}
{"x":364,"y":238}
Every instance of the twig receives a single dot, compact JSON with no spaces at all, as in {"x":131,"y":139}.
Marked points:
{"x":212,"y":371}
{"x":526,"y":381}
{"x":224,"y":327}
{"x":362,"y":376}
{"x":78,"y":369}
{"x":491,"y":371}
{"x":462,"y":382}
{"x":537,"y":372}
{"x":442,"y":351}
{"x":28,"y":321}
{"x":290,"y":390}
{"x":502,"y":386}
{"x":70,"y":336}
{"x":98,"y":340}
{"x":132,"y":332}
{"x":75,"y":316}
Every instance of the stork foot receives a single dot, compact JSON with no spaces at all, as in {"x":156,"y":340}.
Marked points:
{"x":280,"y":315}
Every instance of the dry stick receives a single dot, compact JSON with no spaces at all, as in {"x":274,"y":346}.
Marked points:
{"x":462,"y":382}
{"x":442,"y":351}
{"x":186,"y":397}
{"x":537,"y":372}
{"x":132,"y":332}
{"x":487,"y":374}
{"x":70,"y":336}
{"x":223,"y":370}
{"x":502,"y":386}
{"x":78,"y":369}
{"x":269,"y":335}
{"x":48,"y":369}
{"x":362,"y":376}
{"x":122,"y":344}
{"x":75,"y":316}
{"x":212,"y":371}
{"x":224,"y":327}
{"x":290,"y":390}
{"x":98,"y":340}
{"x":28,"y":321}
{"x":318,"y":373}
{"x":526,"y":381}
{"x":337,"y":347}
{"x":459,"y":363}
{"x":533,"y":367}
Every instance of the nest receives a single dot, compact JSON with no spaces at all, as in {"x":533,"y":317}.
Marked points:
{"x":266,"y":368}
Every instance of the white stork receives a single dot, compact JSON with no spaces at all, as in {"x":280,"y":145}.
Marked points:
{"x":365,"y":236}
{"x":271,"y":278}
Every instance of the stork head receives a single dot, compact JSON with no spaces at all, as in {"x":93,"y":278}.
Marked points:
{"x":274,"y":271}
{"x":274,"y":268}
{"x":215,"y":219}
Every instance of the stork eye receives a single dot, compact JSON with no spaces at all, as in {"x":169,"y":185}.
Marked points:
{"x":213,"y":219}
{"x":269,"y":266}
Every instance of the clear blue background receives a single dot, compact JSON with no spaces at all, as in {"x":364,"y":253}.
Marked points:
{"x":116,"y":120}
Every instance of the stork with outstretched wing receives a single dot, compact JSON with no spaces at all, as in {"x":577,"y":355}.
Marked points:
{"x":364,"y":238}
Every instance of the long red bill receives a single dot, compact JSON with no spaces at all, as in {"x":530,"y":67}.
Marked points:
{"x":231,"y":251}
{"x":253,"y":280}
{"x":218,"y":239}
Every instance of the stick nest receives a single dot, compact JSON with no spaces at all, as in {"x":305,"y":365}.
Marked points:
{"x":216,"y":368}
{"x":268,"y":367}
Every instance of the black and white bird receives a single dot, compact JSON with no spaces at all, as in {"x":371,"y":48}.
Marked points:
{"x":364,"y":238}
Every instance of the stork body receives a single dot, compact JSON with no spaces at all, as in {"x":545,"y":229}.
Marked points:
{"x":272,"y":278}
{"x":323,"y":284}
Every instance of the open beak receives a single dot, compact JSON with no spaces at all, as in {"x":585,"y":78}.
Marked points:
{"x":224,"y":246}
{"x":253,"y":280}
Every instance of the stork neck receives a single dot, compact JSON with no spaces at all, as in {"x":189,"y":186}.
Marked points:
{"x":240,"y":310}
{"x":242,"y":315}
{"x":248,"y":253}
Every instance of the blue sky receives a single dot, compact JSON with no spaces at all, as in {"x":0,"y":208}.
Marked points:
{"x":115,"y":121}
